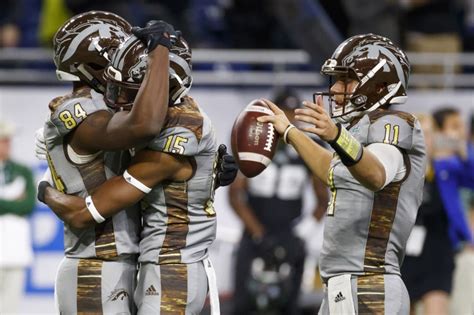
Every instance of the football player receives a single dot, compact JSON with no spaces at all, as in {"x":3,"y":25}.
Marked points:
{"x":375,"y":175}
{"x":99,"y":271}
{"x":174,"y":176}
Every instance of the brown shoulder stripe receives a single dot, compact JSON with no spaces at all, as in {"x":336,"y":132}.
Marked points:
{"x":376,"y":114}
{"x":56,"y":102}
{"x":185,"y":115}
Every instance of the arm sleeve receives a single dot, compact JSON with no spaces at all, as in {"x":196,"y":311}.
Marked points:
{"x":391,"y":159}
{"x":24,"y":205}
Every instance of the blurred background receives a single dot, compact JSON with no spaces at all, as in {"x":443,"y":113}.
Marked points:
{"x":242,"y":50}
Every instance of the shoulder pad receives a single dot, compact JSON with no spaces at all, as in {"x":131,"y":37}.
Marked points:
{"x":176,"y":140}
{"x":69,"y":113}
{"x":391,"y":127}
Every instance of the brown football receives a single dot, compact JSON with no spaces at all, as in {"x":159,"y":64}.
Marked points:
{"x":253,"y":143}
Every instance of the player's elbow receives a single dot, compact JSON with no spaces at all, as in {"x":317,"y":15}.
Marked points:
{"x":375,"y":181}
{"x":79,"y":222}
{"x":147,"y":130}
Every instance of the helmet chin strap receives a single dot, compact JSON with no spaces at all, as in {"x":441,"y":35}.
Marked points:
{"x":92,"y":81}
{"x":345,"y":119}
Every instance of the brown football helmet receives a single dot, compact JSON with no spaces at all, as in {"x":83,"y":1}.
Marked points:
{"x":380,"y":68}
{"x":127,"y":68}
{"x":83,"y":45}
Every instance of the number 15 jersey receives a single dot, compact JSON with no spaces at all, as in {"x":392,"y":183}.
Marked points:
{"x":179,"y":221}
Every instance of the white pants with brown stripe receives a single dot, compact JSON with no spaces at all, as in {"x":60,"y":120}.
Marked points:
{"x":93,"y":286}
{"x":377,"y":294}
{"x":171,"y":288}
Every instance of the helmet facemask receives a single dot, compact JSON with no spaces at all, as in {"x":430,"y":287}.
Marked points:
{"x":119,"y":94}
{"x":127,"y":69}
{"x":352,"y":102}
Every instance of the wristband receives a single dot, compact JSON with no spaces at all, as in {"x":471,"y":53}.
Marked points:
{"x":347,"y":147}
{"x":287,"y":131}
{"x":93,"y":210}
{"x":136,"y":183}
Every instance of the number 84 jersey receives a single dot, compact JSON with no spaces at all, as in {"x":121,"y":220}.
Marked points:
{"x":366,"y":232}
{"x":79,"y":175}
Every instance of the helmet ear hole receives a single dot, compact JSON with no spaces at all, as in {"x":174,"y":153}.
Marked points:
{"x":95,"y":66}
{"x":380,"y":87}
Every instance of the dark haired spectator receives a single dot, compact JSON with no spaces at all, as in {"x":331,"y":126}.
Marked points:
{"x":10,"y":34}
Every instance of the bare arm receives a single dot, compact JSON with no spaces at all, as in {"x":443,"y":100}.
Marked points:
{"x":317,"y":158}
{"x":148,"y":167}
{"x":125,"y":129}
{"x":368,"y":171}
{"x":242,"y":208}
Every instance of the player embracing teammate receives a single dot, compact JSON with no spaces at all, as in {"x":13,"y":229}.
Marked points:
{"x":174,"y":165}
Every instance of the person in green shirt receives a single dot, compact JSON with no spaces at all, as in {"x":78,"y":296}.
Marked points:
{"x":17,"y":201}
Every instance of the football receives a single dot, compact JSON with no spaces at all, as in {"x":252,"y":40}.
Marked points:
{"x":253,"y":143}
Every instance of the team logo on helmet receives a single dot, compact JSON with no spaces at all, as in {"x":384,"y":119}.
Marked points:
{"x":137,"y":71}
{"x":84,"y":44}
{"x":76,"y":35}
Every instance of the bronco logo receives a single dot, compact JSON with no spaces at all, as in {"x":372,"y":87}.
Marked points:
{"x":118,"y":294}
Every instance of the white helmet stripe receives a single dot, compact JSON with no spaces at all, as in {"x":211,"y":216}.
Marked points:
{"x":384,"y":99}
{"x":373,"y":71}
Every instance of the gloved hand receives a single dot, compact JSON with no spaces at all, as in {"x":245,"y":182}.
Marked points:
{"x":156,"y":33}
{"x":45,"y":182}
{"x":40,"y":145}
{"x":226,"y":167}
{"x":268,"y":248}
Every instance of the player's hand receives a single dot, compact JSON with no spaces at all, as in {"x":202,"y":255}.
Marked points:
{"x":45,"y":182}
{"x":279,"y":120}
{"x":318,"y":119}
{"x":266,"y":245}
{"x":40,"y":145}
{"x":156,"y":33}
{"x":226,"y":167}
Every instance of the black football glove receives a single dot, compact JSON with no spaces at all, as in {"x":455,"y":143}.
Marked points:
{"x":226,"y":167}
{"x":156,"y":33}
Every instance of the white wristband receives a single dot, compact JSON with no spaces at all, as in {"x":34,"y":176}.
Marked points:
{"x":287,"y":130}
{"x":93,"y":210}
{"x":136,"y":183}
